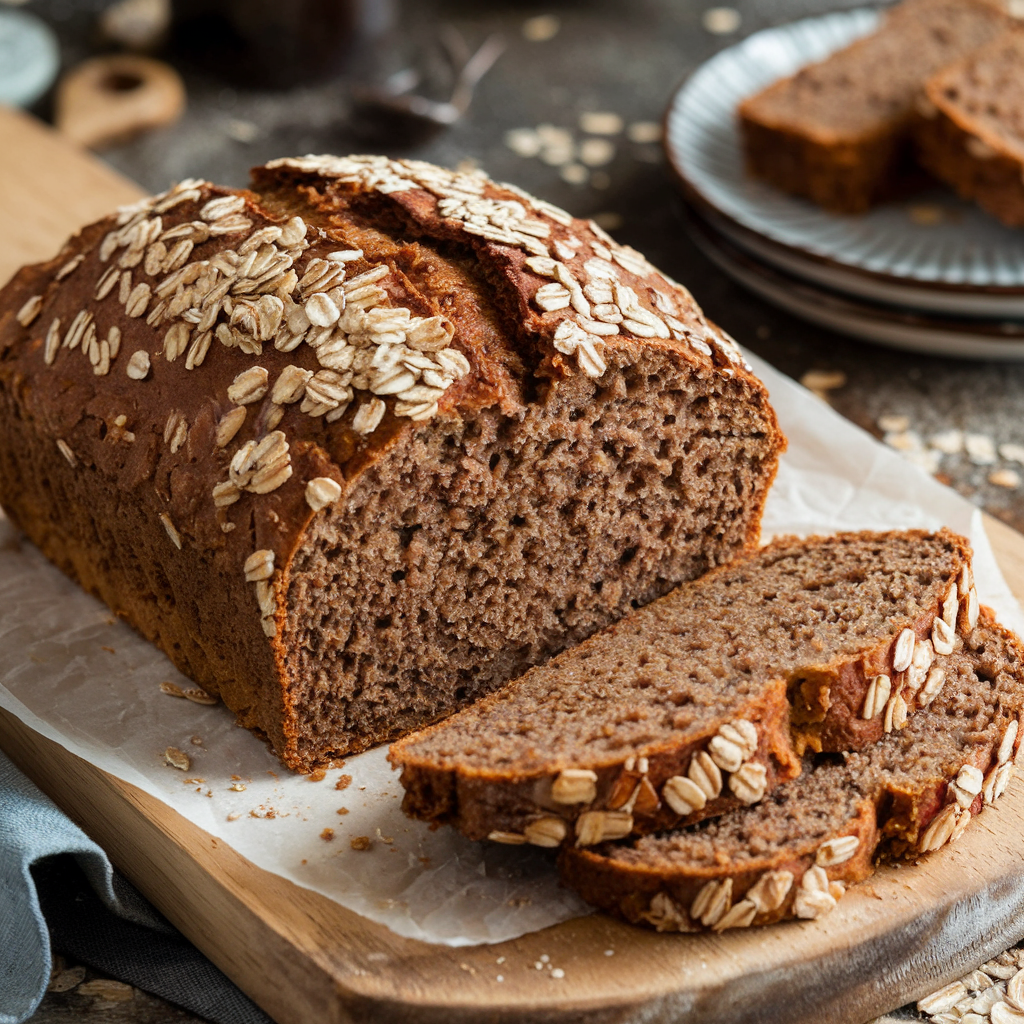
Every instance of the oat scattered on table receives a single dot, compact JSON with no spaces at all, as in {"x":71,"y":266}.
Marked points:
{"x":541,"y":28}
{"x":600,"y":122}
{"x":644,"y":132}
{"x":891,"y":423}
{"x":721,"y":21}
{"x":1008,"y":478}
{"x":981,"y":449}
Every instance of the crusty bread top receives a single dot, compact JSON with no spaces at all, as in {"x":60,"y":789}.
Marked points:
{"x":238,"y":359}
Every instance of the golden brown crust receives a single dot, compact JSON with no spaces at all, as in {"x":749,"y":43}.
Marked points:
{"x":99,"y":443}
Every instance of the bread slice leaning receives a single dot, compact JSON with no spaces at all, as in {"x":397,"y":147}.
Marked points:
{"x":704,"y":700}
{"x":794,"y":854}
{"x":838,"y":131}
{"x":969,"y":133}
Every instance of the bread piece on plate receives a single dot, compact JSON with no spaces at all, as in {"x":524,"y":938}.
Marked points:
{"x":794,"y":854}
{"x":703,"y":701}
{"x":970,"y":132}
{"x":359,"y":446}
{"x":837,"y":132}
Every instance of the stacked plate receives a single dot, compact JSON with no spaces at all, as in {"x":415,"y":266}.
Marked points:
{"x":931,"y":273}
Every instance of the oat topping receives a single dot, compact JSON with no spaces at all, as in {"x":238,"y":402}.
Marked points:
{"x":322,"y":491}
{"x":65,"y":450}
{"x":836,"y":851}
{"x":547,"y":832}
{"x":259,"y":565}
{"x":600,"y":826}
{"x":574,"y":786}
{"x":138,"y":365}
{"x":876,"y":697}
{"x":712,"y":902}
{"x":30,"y":310}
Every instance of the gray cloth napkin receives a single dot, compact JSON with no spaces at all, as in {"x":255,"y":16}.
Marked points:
{"x":57,"y":885}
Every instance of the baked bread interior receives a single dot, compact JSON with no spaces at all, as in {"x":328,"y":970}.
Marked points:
{"x":702,"y":701}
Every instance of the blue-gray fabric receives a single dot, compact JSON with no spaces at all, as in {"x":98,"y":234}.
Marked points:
{"x":57,"y":885}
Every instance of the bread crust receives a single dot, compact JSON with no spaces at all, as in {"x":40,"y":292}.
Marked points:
{"x":112,"y":474}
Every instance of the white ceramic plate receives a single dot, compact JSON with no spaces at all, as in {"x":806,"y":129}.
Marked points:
{"x":968,"y":250}
{"x":963,"y":339}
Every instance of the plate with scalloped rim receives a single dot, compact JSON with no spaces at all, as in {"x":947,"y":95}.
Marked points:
{"x":913,"y":331}
{"x":966,"y":250}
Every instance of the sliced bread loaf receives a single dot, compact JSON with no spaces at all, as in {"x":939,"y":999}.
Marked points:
{"x":794,"y":854}
{"x":702,"y":701}
{"x":837,"y":132}
{"x":970,"y":132}
{"x":359,"y":446}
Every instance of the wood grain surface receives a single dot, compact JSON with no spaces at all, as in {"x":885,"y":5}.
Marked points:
{"x":304,"y":958}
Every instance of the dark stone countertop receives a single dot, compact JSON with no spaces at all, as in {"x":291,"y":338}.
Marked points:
{"x":610,"y":56}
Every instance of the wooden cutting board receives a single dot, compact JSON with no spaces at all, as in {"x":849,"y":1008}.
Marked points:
{"x":304,"y":958}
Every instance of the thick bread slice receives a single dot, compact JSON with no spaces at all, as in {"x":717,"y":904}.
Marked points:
{"x":794,"y":854}
{"x":837,"y":131}
{"x":970,"y":132}
{"x":359,"y":448}
{"x":703,"y":700}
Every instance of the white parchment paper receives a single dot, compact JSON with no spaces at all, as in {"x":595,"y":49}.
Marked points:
{"x":72,"y":673}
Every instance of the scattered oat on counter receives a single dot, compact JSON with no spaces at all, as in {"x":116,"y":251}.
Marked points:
{"x":893,"y":424}
{"x":541,"y":28}
{"x":596,"y":152}
{"x":600,"y":122}
{"x":236,"y":787}
{"x":1008,"y":478}
{"x":721,"y":21}
{"x":172,"y":689}
{"x":904,"y":440}
{"x":981,"y":449}
{"x":949,"y":442}
{"x":234,"y":815}
{"x":574,"y":174}
{"x":1012,"y":452}
{"x":644,"y":132}
{"x":994,"y":992}
{"x":821,"y":382}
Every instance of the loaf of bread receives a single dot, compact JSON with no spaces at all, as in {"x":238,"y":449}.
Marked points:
{"x":703,"y":701}
{"x":838,"y":131}
{"x":970,"y":132}
{"x":358,"y":446}
{"x":794,"y":854}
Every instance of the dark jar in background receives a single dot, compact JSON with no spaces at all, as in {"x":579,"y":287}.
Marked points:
{"x":277,"y":43}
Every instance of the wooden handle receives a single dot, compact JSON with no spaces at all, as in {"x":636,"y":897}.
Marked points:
{"x":110,"y":99}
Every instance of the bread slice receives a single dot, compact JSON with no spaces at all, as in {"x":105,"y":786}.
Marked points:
{"x":970,"y":132}
{"x":793,"y":854}
{"x":702,"y":701}
{"x":360,"y":446}
{"x":837,"y":132}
